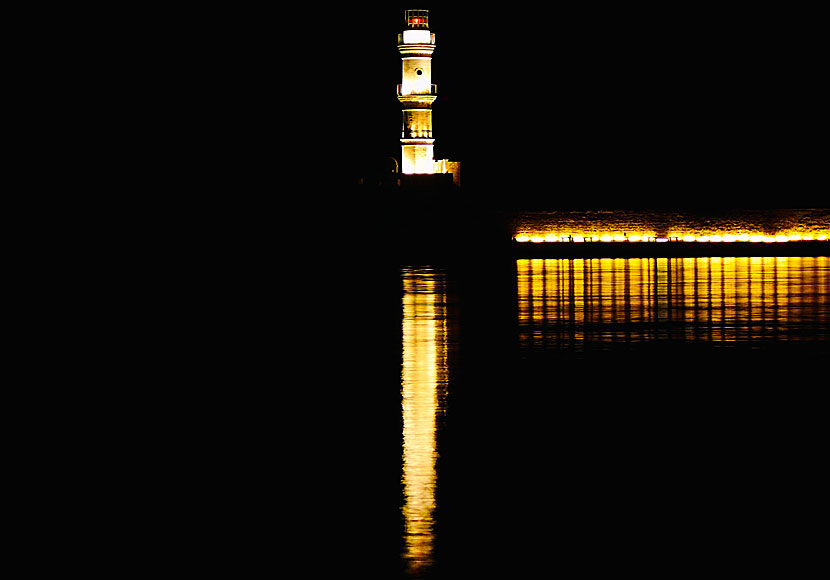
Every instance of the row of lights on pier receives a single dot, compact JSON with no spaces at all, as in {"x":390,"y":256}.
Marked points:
{"x":636,"y":238}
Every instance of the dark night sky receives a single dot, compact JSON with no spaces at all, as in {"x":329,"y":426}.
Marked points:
{"x":672,"y":106}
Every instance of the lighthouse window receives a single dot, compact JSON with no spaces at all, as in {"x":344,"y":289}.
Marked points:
{"x":419,"y":72}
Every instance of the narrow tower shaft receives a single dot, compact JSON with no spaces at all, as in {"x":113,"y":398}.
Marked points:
{"x":417,"y":93}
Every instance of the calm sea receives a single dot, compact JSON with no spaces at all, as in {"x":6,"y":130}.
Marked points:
{"x":657,"y":417}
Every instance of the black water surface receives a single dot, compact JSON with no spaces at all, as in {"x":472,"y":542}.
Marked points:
{"x":659,"y":456}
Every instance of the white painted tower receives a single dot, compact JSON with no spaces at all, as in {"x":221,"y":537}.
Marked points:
{"x":417,"y":93}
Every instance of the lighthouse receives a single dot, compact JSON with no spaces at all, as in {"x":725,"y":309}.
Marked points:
{"x":416,"y":94}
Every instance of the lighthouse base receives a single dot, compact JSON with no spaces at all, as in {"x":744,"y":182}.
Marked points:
{"x":417,"y":156}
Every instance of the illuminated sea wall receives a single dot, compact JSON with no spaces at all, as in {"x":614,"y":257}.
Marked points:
{"x":756,"y":226}
{"x":671,"y":233}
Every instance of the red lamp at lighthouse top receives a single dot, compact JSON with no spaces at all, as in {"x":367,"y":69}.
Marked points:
{"x":417,"y":19}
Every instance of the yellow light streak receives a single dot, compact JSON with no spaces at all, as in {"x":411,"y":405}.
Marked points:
{"x":423,"y":388}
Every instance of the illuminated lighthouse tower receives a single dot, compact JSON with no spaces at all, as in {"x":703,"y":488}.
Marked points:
{"x":416,"y":94}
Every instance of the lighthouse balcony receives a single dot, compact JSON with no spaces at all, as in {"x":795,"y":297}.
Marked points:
{"x":406,"y":90}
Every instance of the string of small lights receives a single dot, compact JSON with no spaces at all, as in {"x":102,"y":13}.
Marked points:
{"x":715,"y":238}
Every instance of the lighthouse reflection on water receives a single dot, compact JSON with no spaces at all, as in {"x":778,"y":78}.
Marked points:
{"x":424,"y":381}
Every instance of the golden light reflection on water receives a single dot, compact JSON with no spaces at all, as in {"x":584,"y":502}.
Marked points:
{"x":423,"y":385}
{"x":578,"y":303}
